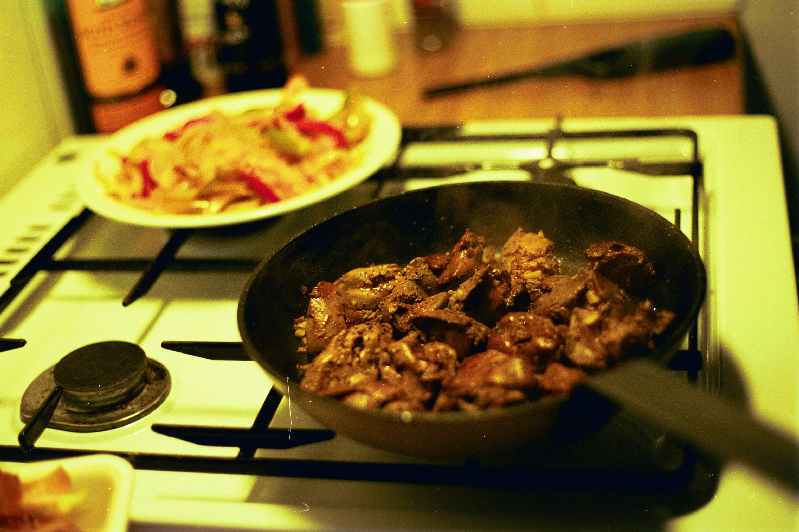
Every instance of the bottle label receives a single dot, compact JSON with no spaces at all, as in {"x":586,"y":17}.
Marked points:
{"x":116,"y":45}
{"x":111,"y":115}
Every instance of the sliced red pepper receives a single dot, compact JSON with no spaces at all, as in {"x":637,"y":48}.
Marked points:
{"x":148,"y":184}
{"x":176,"y":133}
{"x":295,"y":114}
{"x":181,"y":170}
{"x":257,"y":185}
{"x":316,"y":127}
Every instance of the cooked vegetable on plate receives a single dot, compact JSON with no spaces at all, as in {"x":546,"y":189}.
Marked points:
{"x":224,"y":161}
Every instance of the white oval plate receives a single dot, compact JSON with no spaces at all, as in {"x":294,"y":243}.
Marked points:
{"x":378,"y":148}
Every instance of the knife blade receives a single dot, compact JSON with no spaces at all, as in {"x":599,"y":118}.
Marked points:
{"x":694,"y":48}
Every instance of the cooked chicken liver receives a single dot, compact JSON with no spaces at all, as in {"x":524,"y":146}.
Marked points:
{"x":476,"y":327}
{"x":623,"y":264}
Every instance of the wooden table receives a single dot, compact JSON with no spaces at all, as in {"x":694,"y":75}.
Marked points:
{"x":712,"y":89}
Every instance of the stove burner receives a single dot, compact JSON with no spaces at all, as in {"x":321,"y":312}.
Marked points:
{"x":101,"y":374}
{"x":105,"y":385}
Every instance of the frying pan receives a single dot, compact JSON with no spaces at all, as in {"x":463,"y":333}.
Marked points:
{"x":418,"y":223}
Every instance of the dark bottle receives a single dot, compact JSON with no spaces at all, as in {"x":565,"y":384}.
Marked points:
{"x":109,"y":61}
{"x":176,"y":72}
{"x":249,"y":44}
{"x":78,"y":98}
{"x":308,"y":26}
{"x":436,"y":24}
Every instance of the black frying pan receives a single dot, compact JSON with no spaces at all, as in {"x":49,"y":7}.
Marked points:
{"x":428,"y":221}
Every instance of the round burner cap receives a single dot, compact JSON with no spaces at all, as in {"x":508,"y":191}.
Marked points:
{"x":101,"y":367}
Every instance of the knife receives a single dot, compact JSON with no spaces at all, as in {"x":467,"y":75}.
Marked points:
{"x":695,"y":48}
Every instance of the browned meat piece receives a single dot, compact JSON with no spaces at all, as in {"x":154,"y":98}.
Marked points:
{"x":433,"y":361}
{"x":601,"y":291}
{"x":598,"y":337}
{"x":395,"y":306}
{"x":349,"y":360}
{"x":368,"y":277}
{"x":385,"y":292}
{"x":403,"y":393}
{"x":335,"y":380}
{"x":364,"y":288}
{"x":526,"y":334}
{"x":583,"y":346}
{"x":488,"y":379}
{"x":460,"y":296}
{"x":586,"y":288}
{"x":623,"y":264}
{"x":559,"y":379}
{"x":527,"y":243}
{"x":404,"y":322}
{"x":490,"y":300}
{"x":528,"y":258}
{"x":437,"y":262}
{"x":632,"y":332}
{"x":455,"y":328}
{"x":437,"y":361}
{"x":324,"y":318}
{"x":434,"y":302}
{"x":464,"y":257}
{"x":418,"y":271}
{"x":564,"y":293}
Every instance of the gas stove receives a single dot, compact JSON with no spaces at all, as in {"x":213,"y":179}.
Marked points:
{"x":214,"y":446}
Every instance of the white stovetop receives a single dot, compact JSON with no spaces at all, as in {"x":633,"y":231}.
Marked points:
{"x":755,"y":326}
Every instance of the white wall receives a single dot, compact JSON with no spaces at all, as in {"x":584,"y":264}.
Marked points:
{"x":34,"y":115}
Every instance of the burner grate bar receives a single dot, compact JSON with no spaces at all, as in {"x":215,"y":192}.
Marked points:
{"x":456,"y":133}
{"x":158,"y":265}
{"x":241,"y":265}
{"x":7,"y":344}
{"x":529,"y":477}
{"x":43,"y":256}
{"x":263,"y":438}
{"x":262,"y":420}
{"x":209,"y":350}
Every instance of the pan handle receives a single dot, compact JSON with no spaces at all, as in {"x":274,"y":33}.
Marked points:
{"x":707,"y":421}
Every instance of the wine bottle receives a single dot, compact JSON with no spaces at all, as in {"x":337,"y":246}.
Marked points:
{"x":249,"y":44}
{"x":176,"y":72}
{"x":117,"y":51}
